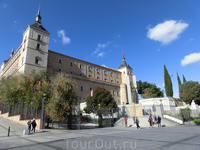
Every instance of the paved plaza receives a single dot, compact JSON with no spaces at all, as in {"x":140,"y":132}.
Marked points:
{"x":165,"y":138}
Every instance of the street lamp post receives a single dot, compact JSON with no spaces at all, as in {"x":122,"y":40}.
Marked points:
{"x":42,"y":115}
{"x":161,"y":108}
{"x":100,"y":117}
{"x":79,"y":115}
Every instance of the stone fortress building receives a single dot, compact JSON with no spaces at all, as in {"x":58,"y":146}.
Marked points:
{"x":33,"y":54}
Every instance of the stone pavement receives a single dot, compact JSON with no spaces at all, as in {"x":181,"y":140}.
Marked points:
{"x":165,"y":138}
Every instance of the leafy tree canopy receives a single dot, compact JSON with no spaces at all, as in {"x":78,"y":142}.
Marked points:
{"x":64,"y":99}
{"x":100,"y":96}
{"x":148,"y":90}
{"x":189,"y":91}
{"x":27,"y":88}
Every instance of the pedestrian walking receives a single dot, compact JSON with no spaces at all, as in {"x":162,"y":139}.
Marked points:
{"x":34,"y":124}
{"x":125,"y":120}
{"x":137,"y":122}
{"x":150,"y":121}
{"x":159,"y":121}
{"x":29,"y":126}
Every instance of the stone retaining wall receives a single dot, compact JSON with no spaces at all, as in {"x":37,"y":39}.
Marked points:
{"x":17,"y":119}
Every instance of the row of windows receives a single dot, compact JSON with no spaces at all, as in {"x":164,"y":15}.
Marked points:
{"x":90,"y":76}
{"x":89,"y":68}
{"x":113,"y":92}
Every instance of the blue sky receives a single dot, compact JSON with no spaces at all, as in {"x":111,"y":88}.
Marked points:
{"x":150,"y":33}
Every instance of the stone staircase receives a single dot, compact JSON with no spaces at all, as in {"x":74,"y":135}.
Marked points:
{"x":143,"y":122}
{"x":178,"y":121}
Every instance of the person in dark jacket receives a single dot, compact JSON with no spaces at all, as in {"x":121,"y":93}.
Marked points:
{"x":137,"y":122}
{"x":159,"y":121}
{"x":29,"y":125}
{"x":150,"y":121}
{"x":34,"y":124}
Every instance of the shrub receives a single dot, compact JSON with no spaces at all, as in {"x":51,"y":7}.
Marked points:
{"x":197,"y":121}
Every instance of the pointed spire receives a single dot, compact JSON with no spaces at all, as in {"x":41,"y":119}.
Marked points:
{"x":37,"y":22}
{"x":12,"y":52}
{"x":124,"y":64}
{"x":38,"y":11}
{"x":123,"y":58}
{"x":38,"y":17}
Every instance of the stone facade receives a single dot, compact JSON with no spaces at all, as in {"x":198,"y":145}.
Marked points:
{"x":33,"y":54}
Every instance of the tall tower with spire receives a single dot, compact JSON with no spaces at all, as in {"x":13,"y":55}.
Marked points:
{"x":128,"y":95}
{"x":35,"y":46}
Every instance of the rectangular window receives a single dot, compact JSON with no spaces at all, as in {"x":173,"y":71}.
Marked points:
{"x":60,"y":61}
{"x":38,"y":46}
{"x":39,"y":37}
{"x":81,"y":88}
{"x":71,"y":63}
{"x":36,"y":60}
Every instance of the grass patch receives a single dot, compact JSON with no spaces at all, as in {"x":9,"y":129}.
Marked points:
{"x":197,"y":121}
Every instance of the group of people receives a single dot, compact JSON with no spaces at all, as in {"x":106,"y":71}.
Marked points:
{"x":33,"y":123}
{"x":154,"y":120}
{"x":136,"y":121}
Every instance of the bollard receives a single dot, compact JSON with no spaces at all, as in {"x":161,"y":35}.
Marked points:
{"x":9,"y":131}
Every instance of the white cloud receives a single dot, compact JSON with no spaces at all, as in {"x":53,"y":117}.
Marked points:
{"x":4,"y":5}
{"x":101,"y":54}
{"x":65,"y":40}
{"x":101,"y":46}
{"x":191,"y":58}
{"x":167,"y":31}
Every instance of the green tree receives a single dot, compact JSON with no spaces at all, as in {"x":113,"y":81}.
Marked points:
{"x":10,"y":90}
{"x":168,"y":83}
{"x":189,"y":91}
{"x":100,"y":96}
{"x":27,"y":88}
{"x":141,"y":86}
{"x":179,"y":81}
{"x":184,"y":80}
{"x":64,"y":99}
{"x":154,"y":91}
{"x":148,"y":90}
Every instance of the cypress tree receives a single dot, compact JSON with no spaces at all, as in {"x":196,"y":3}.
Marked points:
{"x":168,"y":83}
{"x":184,"y":80}
{"x":179,"y":81}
